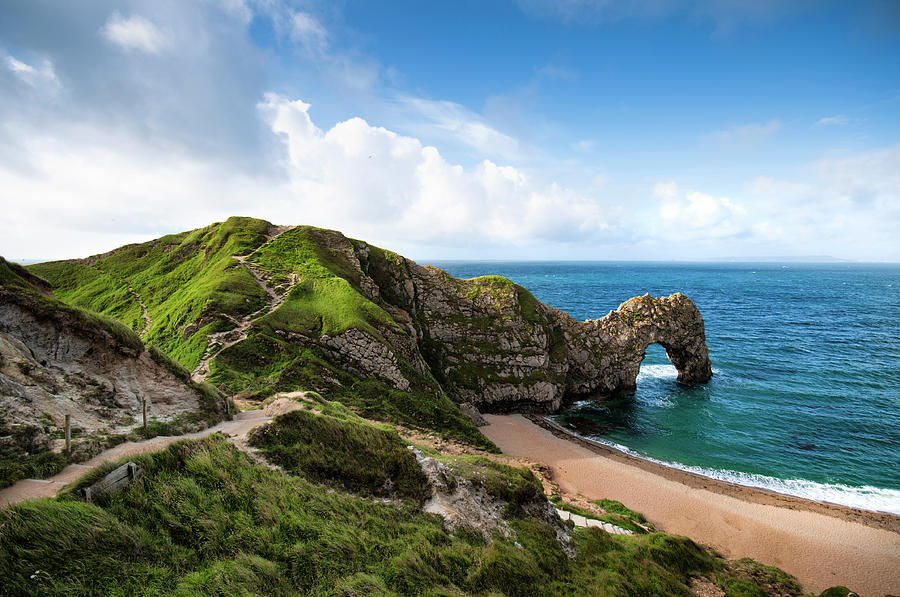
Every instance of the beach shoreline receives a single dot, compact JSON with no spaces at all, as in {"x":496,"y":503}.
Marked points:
{"x":821,"y":544}
{"x":872,"y":518}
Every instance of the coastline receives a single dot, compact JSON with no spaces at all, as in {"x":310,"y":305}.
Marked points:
{"x":822,"y":544}
{"x":758,"y":495}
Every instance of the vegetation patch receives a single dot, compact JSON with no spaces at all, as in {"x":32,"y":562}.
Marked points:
{"x":203,"y":519}
{"x":350,"y":454}
{"x":614,"y":507}
{"x":24,"y":455}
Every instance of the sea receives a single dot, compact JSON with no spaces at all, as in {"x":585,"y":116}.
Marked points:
{"x":805,"y":394}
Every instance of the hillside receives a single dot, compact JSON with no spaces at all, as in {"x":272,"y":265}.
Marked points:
{"x":258,"y":309}
{"x":352,"y":514}
{"x":58,"y":360}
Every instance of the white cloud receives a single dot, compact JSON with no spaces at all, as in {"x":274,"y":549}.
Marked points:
{"x":847,"y":207}
{"x":599,"y":181}
{"x":365,"y":180}
{"x":456,"y":123}
{"x":307,"y":30}
{"x":833,"y":120}
{"x":43,"y":77}
{"x":746,"y":134}
{"x":393,"y":182}
{"x":694,"y":215}
{"x":585,"y":145}
{"x":134,"y":33}
{"x":665,"y":190}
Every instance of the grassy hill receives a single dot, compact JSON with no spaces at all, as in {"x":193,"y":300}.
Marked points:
{"x":205,"y":519}
{"x":194,"y":287}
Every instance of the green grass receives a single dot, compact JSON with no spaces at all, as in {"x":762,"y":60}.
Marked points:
{"x":18,"y":462}
{"x":13,"y":275}
{"x":614,"y":507}
{"x":352,"y":455}
{"x":193,"y":287}
{"x":189,"y":282}
{"x":327,"y":306}
{"x":89,"y":288}
{"x":204,"y":519}
{"x":264,"y":365}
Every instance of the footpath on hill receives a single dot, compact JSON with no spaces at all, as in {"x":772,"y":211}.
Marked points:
{"x":236,"y":430}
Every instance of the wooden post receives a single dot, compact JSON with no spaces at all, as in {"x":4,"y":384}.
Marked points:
{"x":144,"y":409}
{"x":68,"y":434}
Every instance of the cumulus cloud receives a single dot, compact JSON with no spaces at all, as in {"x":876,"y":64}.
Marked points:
{"x":693,"y":214}
{"x":386,"y":181}
{"x":134,"y":33}
{"x":362,"y":179}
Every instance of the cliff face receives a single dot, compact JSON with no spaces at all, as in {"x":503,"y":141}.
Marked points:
{"x":56,"y":360}
{"x":261,"y":309}
{"x":491,"y":343}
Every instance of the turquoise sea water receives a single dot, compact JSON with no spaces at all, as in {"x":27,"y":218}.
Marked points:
{"x":805,"y":397}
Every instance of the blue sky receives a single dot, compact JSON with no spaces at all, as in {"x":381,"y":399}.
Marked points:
{"x":529,"y":129}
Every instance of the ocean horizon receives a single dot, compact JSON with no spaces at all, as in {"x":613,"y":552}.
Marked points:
{"x":804,"y":399}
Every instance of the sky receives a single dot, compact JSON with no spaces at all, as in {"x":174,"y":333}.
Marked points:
{"x":489,"y":129}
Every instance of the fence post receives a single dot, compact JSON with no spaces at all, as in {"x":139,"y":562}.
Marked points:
{"x":144,"y":410}
{"x":68,"y":434}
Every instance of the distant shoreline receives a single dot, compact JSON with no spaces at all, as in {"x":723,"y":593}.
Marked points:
{"x":871,"y":518}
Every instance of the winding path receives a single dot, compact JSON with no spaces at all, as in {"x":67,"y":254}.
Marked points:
{"x":235,"y":430}
{"x":219,"y":341}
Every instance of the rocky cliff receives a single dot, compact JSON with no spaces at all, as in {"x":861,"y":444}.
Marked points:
{"x":259,"y":309}
{"x":491,"y":343}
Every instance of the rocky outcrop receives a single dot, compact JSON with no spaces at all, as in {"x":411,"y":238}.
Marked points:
{"x":471,"y":500}
{"x":491,"y":344}
{"x":57,"y":361}
{"x":604,"y":355}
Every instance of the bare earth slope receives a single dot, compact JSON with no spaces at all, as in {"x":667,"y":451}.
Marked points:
{"x":57,"y":360}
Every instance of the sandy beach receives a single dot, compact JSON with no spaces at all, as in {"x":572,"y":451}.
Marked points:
{"x":821,"y":544}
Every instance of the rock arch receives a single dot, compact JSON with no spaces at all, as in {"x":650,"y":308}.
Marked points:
{"x":605,"y":354}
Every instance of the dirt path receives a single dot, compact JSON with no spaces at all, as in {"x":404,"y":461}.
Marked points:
{"x":820,"y":548}
{"x":235,"y":430}
{"x":144,"y":314}
{"x":219,"y":341}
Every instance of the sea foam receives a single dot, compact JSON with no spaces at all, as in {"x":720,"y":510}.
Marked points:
{"x":876,"y":499}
